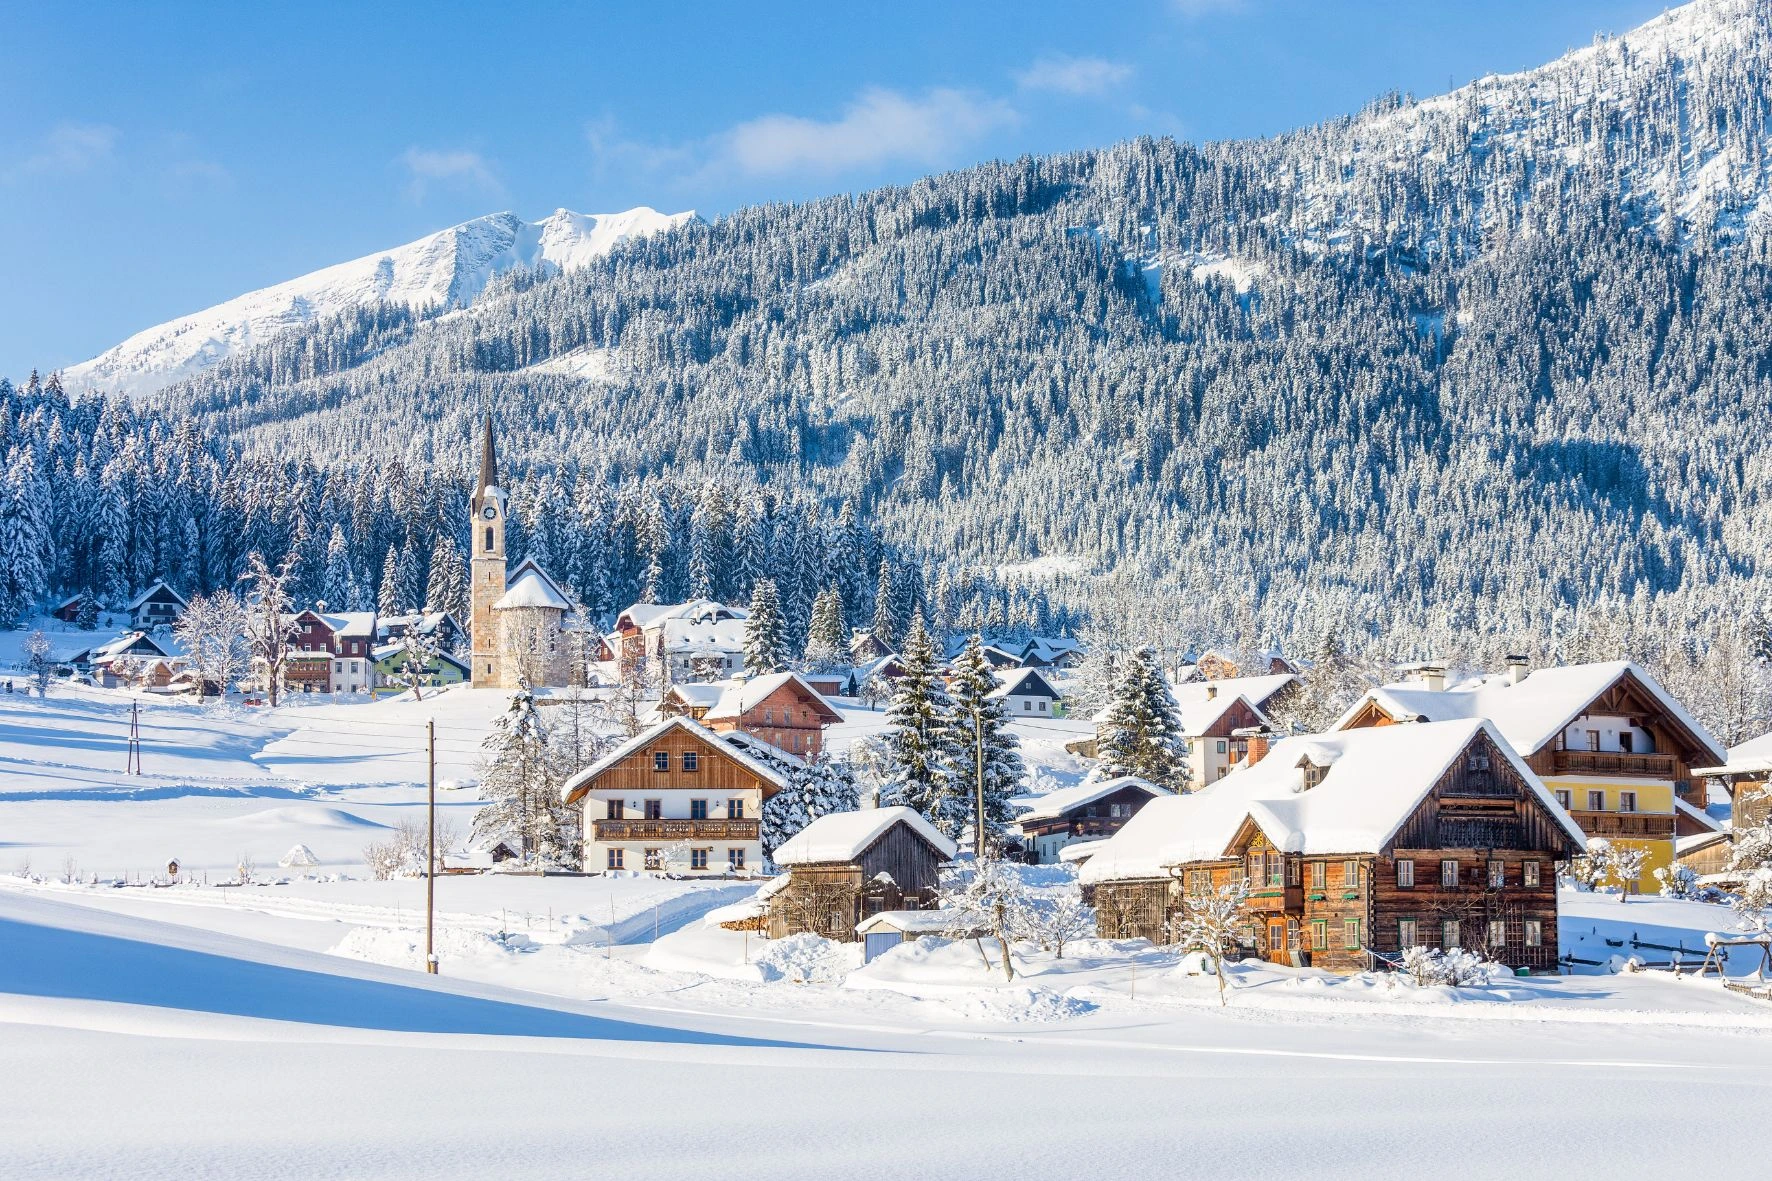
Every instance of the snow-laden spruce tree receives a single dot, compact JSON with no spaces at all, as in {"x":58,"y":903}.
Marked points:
{"x":765,"y":632}
{"x":447,"y":589}
{"x":37,"y":662}
{"x":919,"y":735}
{"x":827,"y":638}
{"x":387,"y":599}
{"x":979,"y":737}
{"x":22,"y":538}
{"x":336,"y":589}
{"x":517,"y":785}
{"x":816,"y":786}
{"x":1141,"y":734}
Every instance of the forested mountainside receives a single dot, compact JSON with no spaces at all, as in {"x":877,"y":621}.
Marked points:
{"x":1488,"y":371}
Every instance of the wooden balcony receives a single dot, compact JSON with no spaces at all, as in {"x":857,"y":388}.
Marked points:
{"x":675,"y":830}
{"x":1648,"y":825}
{"x":1611,"y":762}
{"x":1266,"y":899}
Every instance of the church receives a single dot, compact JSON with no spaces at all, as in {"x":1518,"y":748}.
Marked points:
{"x":517,"y":623}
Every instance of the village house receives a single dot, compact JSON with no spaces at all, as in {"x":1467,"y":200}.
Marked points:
{"x":158,"y":605}
{"x":440,"y":627}
{"x":330,"y":652}
{"x":1087,"y":812}
{"x":845,"y":868}
{"x":1616,"y":749}
{"x":1358,"y":842}
{"x":677,"y":797}
{"x":1746,"y":776}
{"x":782,"y":709}
{"x":390,"y":668}
{"x":1026,"y":693}
{"x":700,"y":640}
{"x":68,"y":610}
{"x":865,"y":648}
{"x":136,"y":659}
{"x":1210,"y":713}
{"x":1214,"y":665}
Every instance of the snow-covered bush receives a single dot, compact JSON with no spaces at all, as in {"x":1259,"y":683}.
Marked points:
{"x":1677,"y":881}
{"x":1625,"y":866}
{"x":1213,"y":923}
{"x":1589,"y":870}
{"x":402,"y":853}
{"x":1426,"y":967}
{"x":990,"y":897}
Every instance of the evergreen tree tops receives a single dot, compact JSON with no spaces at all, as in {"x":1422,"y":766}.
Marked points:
{"x":517,"y":783}
{"x":981,"y":739}
{"x":1140,"y":733}
{"x":765,"y":632}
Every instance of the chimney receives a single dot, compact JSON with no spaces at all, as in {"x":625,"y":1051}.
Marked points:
{"x":1428,"y":675}
{"x":1211,"y":692}
{"x":1258,"y":737}
{"x":1517,"y":667}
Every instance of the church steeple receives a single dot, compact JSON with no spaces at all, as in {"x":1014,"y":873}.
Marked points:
{"x":486,"y":565}
{"x":488,"y":465}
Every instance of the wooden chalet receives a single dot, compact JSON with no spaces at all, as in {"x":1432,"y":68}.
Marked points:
{"x":1027,"y":693}
{"x":782,"y":709}
{"x":158,"y":605}
{"x":844,"y":868}
{"x":1356,"y":845}
{"x":1086,"y":812}
{"x":1747,"y":778}
{"x":677,"y":798}
{"x":1617,"y":750}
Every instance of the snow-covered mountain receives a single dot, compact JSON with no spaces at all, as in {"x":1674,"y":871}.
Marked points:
{"x":450,"y":267}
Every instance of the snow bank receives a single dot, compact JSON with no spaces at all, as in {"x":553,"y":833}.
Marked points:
{"x":806,"y":958}
{"x":1023,"y":1004}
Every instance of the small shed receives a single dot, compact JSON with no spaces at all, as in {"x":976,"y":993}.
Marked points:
{"x":882,"y":932}
{"x":849,"y":866}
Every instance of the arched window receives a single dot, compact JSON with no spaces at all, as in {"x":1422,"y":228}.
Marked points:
{"x":489,"y":539}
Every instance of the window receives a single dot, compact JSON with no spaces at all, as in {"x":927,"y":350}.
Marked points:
{"x":735,"y":859}
{"x":1497,"y":874}
{"x":1252,"y":868}
{"x":1350,"y":875}
{"x":1221,"y":746}
{"x":1497,"y":933}
{"x":1405,"y":874}
{"x":1042,"y":705}
{"x":661,"y":760}
{"x":769,"y":717}
{"x":1319,"y":875}
{"x":1564,"y":799}
{"x":615,"y":858}
{"x":1026,"y":706}
{"x":1449,"y":934}
{"x":653,"y":860}
{"x":655,"y":809}
{"x":735,"y":808}
{"x":1596,"y":801}
{"x":1407,"y":936}
{"x":698,"y":809}
{"x":612,"y":809}
{"x":1448,"y":873}
{"x":1320,"y":935}
{"x":698,"y":859}
{"x":1593,"y":740}
{"x":1627,"y":801}
{"x":1292,"y":871}
{"x":691,"y":760}
{"x":1529,"y":875}
{"x":489,"y":548}
{"x":1350,"y":933}
{"x":1625,"y":741}
{"x":1534,"y":933}
{"x":1273,"y":868}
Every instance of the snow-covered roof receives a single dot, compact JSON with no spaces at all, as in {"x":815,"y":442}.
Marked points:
{"x":702,"y":694}
{"x":1375,"y":779}
{"x":1200,"y":714}
{"x":844,"y":836}
{"x":150,"y":592}
{"x":1256,"y":690}
{"x":1531,"y":713}
{"x":1077,"y":852}
{"x":121,"y":645}
{"x":1697,"y":841}
{"x":1055,"y":804}
{"x":1696,"y":815}
{"x":647,"y":616}
{"x":1023,"y":682}
{"x":739,"y":697}
{"x":579,"y":783}
{"x":531,"y":586}
{"x":1753,"y":757}
{"x":908,"y":922}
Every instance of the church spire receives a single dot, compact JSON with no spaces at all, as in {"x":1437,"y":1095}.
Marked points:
{"x":488,"y":460}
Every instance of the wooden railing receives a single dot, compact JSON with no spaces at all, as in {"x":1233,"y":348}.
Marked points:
{"x":1611,"y":762}
{"x":675,"y":830}
{"x":1263,"y":899}
{"x":1655,"y":826}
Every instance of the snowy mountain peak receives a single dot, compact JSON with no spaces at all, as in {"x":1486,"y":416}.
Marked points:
{"x":450,"y":267}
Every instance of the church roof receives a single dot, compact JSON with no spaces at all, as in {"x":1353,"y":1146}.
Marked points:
{"x":531,"y":586}
{"x":488,"y":465}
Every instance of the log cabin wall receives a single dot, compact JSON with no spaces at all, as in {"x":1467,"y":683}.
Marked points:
{"x":1473,"y":903}
{"x":912,"y":862}
{"x":716,"y":770}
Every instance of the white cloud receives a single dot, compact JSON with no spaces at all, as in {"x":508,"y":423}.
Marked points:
{"x":1194,"y":9}
{"x":879,"y":126}
{"x":1081,"y":76}
{"x":425,"y":168}
{"x":73,"y":147}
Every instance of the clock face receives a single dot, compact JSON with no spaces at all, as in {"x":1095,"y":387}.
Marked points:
{"x":489,"y":512}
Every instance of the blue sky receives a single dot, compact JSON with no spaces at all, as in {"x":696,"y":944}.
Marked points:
{"x":155,"y":159}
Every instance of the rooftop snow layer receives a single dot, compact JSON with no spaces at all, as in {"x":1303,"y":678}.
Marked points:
{"x":844,"y":836}
{"x":1056,"y":803}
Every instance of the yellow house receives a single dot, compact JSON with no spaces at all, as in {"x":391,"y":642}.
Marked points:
{"x":1607,"y":739}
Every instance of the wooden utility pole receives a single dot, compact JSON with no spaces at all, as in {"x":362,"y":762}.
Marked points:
{"x":978,"y":768}
{"x":431,"y":845}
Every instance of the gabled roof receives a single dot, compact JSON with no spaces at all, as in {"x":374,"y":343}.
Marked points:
{"x":1023,"y":682}
{"x":1532,"y":713}
{"x":844,"y":836}
{"x":698,"y":694}
{"x":1200,"y":713}
{"x":1753,"y":757}
{"x":1376,"y":779}
{"x":648,"y":615}
{"x":740,"y":697}
{"x":1055,"y":804}
{"x":531,"y":586}
{"x":119,"y":646}
{"x":580,"y":783}
{"x":144,"y":596}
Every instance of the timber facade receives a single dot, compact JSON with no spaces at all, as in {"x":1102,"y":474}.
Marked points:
{"x":900,"y":870}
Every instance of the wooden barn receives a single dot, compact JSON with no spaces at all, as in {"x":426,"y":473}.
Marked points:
{"x":1356,"y":845}
{"x":850,"y":866}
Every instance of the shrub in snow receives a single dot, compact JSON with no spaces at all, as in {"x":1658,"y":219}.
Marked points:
{"x":1677,"y":881}
{"x":1625,"y":867}
{"x":1213,"y":923}
{"x":1426,"y":967}
{"x":991,"y":897}
{"x":1589,"y":870}
{"x":402,"y":854}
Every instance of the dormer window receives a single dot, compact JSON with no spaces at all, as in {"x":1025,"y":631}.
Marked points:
{"x":1313,"y":774}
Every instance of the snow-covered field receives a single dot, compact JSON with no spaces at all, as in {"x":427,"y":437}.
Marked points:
{"x":599,"y":1025}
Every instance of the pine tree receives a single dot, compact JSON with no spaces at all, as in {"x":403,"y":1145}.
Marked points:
{"x":827,"y":638}
{"x":919,"y":734}
{"x":980,"y":727}
{"x":22,"y":571}
{"x":886,"y":607}
{"x":1141,"y":734}
{"x":517,"y":785}
{"x":336,"y":586}
{"x":816,"y":786}
{"x":765,"y":638}
{"x":447,"y":589}
{"x":388,"y":596}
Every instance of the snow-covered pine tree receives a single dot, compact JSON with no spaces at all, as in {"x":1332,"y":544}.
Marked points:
{"x":827,"y":639}
{"x":979,"y":729}
{"x":86,"y":614}
{"x":816,"y":786}
{"x":22,"y":569}
{"x":517,"y":785}
{"x":447,"y":589}
{"x":335,"y":587}
{"x":886,"y":607}
{"x":919,"y":734}
{"x":1141,"y":734}
{"x":765,"y":633}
